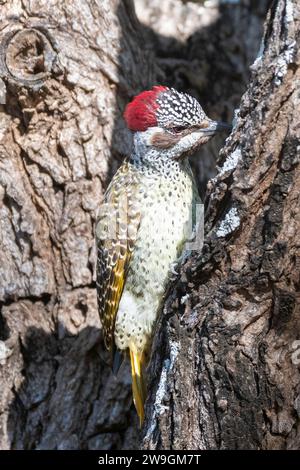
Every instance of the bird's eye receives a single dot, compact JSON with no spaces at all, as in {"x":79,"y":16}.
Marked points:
{"x":177,"y":129}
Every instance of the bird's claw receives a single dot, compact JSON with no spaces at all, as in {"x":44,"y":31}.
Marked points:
{"x":173,"y":274}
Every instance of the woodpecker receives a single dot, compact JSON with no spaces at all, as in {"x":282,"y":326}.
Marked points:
{"x":145,"y":221}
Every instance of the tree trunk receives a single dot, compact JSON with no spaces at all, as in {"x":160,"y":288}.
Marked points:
{"x":225,"y":365}
{"x":67,"y":70}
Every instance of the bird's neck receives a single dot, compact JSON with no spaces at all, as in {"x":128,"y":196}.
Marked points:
{"x":154,"y":161}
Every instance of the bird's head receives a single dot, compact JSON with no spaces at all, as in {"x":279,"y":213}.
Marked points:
{"x":170,"y":122}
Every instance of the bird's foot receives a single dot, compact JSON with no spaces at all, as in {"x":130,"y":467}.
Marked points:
{"x":173,"y":274}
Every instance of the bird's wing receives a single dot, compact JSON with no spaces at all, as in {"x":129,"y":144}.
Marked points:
{"x":116,"y":233}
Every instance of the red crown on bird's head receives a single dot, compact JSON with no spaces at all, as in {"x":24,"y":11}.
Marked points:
{"x":140,"y":113}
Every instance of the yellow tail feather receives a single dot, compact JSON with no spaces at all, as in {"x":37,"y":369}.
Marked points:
{"x":138,"y":384}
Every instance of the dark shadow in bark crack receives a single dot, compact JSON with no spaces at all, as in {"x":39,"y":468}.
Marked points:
{"x":52,"y":377}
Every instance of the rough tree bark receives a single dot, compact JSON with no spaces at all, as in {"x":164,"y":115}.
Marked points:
{"x":67,"y":68}
{"x":228,"y":374}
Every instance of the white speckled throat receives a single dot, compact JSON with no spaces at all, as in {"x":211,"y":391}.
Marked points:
{"x":163,"y":160}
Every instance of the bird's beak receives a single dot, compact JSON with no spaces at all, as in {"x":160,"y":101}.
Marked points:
{"x":216,"y":126}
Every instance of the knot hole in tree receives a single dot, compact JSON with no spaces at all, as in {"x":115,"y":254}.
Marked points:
{"x":28,"y":57}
